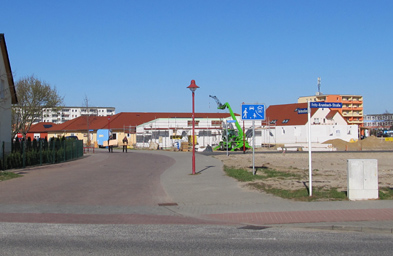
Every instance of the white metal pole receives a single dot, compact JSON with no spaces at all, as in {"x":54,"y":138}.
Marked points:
{"x":253,"y":147}
{"x":309,"y":148}
{"x":226,"y":126}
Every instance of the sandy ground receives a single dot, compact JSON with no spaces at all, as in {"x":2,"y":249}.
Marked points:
{"x":329,"y":168}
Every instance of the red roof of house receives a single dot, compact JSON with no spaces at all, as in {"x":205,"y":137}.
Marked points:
{"x":287,"y":114}
{"x":331,"y":114}
{"x":119,"y":121}
{"x":41,"y":127}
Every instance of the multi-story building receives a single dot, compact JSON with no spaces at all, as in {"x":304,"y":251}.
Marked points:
{"x":352,"y":106}
{"x":68,"y":113}
{"x":378,"y":121}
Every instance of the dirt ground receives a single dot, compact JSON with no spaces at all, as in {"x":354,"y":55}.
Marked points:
{"x":329,"y":168}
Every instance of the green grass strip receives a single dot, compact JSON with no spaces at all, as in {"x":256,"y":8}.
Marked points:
{"x":8,"y":175}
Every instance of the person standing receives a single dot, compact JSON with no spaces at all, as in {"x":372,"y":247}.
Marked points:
{"x":110,"y":148}
{"x":125,"y":143}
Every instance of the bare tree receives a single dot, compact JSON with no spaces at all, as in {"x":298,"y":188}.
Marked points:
{"x":34,"y":96}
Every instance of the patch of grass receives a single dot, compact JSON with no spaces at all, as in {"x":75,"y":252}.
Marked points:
{"x":386,"y":193}
{"x":288,"y":194}
{"x":261,"y":173}
{"x":8,"y":175}
{"x":332,"y":194}
{"x":302,"y":194}
{"x":272,"y":173}
{"x":299,"y":195}
{"x":240,"y":174}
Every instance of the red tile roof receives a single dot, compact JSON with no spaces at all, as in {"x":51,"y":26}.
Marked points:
{"x":287,"y":114}
{"x":119,"y":121}
{"x":331,"y":114}
{"x":41,"y":127}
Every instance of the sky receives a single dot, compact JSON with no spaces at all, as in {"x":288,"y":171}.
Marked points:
{"x":140,"y":56}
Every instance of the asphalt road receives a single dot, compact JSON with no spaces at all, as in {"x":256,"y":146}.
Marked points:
{"x":60,"y":239}
{"x":114,"y":204}
{"x":119,"y":179}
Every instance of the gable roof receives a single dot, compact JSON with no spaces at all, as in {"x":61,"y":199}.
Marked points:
{"x":119,"y":121}
{"x":41,"y":127}
{"x":6,"y":60}
{"x":331,"y":114}
{"x":287,"y":114}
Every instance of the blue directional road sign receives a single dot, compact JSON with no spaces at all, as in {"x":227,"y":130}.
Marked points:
{"x":326,"y":105}
{"x":253,"y":112}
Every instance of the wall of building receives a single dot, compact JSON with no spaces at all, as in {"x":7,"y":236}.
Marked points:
{"x":69,"y":113}
{"x":299,"y":134}
{"x":5,"y":108}
{"x":170,"y":132}
{"x":378,"y":121}
{"x":352,"y":109}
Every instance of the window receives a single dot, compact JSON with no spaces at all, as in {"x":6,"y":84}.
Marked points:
{"x":204,"y":133}
{"x":189,"y":123}
{"x":143,"y":138}
{"x":285,"y":121}
{"x":273,"y":121}
{"x":157,"y":134}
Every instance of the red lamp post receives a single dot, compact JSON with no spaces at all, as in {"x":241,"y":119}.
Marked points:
{"x":193,"y":88}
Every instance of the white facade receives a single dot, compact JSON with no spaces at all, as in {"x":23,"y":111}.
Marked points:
{"x":7,"y":98}
{"x":322,"y":130}
{"x":69,"y":113}
{"x":381,"y":121}
{"x":170,"y":132}
{"x":5,"y":109}
{"x":299,"y":134}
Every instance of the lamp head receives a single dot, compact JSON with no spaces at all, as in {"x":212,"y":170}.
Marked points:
{"x":193,"y":86}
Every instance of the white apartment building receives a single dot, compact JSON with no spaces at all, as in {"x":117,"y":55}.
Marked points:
{"x":378,"y":121}
{"x":69,"y":113}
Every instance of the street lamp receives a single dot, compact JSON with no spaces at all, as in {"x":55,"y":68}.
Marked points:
{"x":193,"y":88}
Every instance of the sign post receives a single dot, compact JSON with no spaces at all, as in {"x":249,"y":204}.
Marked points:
{"x":226,"y":126}
{"x":301,"y":111}
{"x":309,"y":150}
{"x":253,"y":112}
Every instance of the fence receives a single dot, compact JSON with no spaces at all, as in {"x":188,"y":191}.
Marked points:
{"x":28,"y":153}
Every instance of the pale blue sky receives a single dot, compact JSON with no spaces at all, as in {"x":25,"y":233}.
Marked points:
{"x":141,"y":55}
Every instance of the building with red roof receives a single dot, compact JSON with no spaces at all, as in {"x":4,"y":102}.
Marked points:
{"x":38,"y":131}
{"x":288,"y":123}
{"x":138,"y":126}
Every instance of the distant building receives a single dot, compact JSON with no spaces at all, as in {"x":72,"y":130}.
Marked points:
{"x":141,"y":128}
{"x":286,"y":124}
{"x":378,"y":121}
{"x":68,"y":113}
{"x":352,"y":109}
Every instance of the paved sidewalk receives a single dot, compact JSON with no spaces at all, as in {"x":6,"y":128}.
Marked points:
{"x":212,"y":195}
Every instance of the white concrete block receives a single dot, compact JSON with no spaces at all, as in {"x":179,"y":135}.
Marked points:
{"x":362,"y":179}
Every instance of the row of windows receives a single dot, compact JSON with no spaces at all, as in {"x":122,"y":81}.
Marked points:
{"x":379,"y":117}
{"x":379,"y":123}
{"x":285,"y":121}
